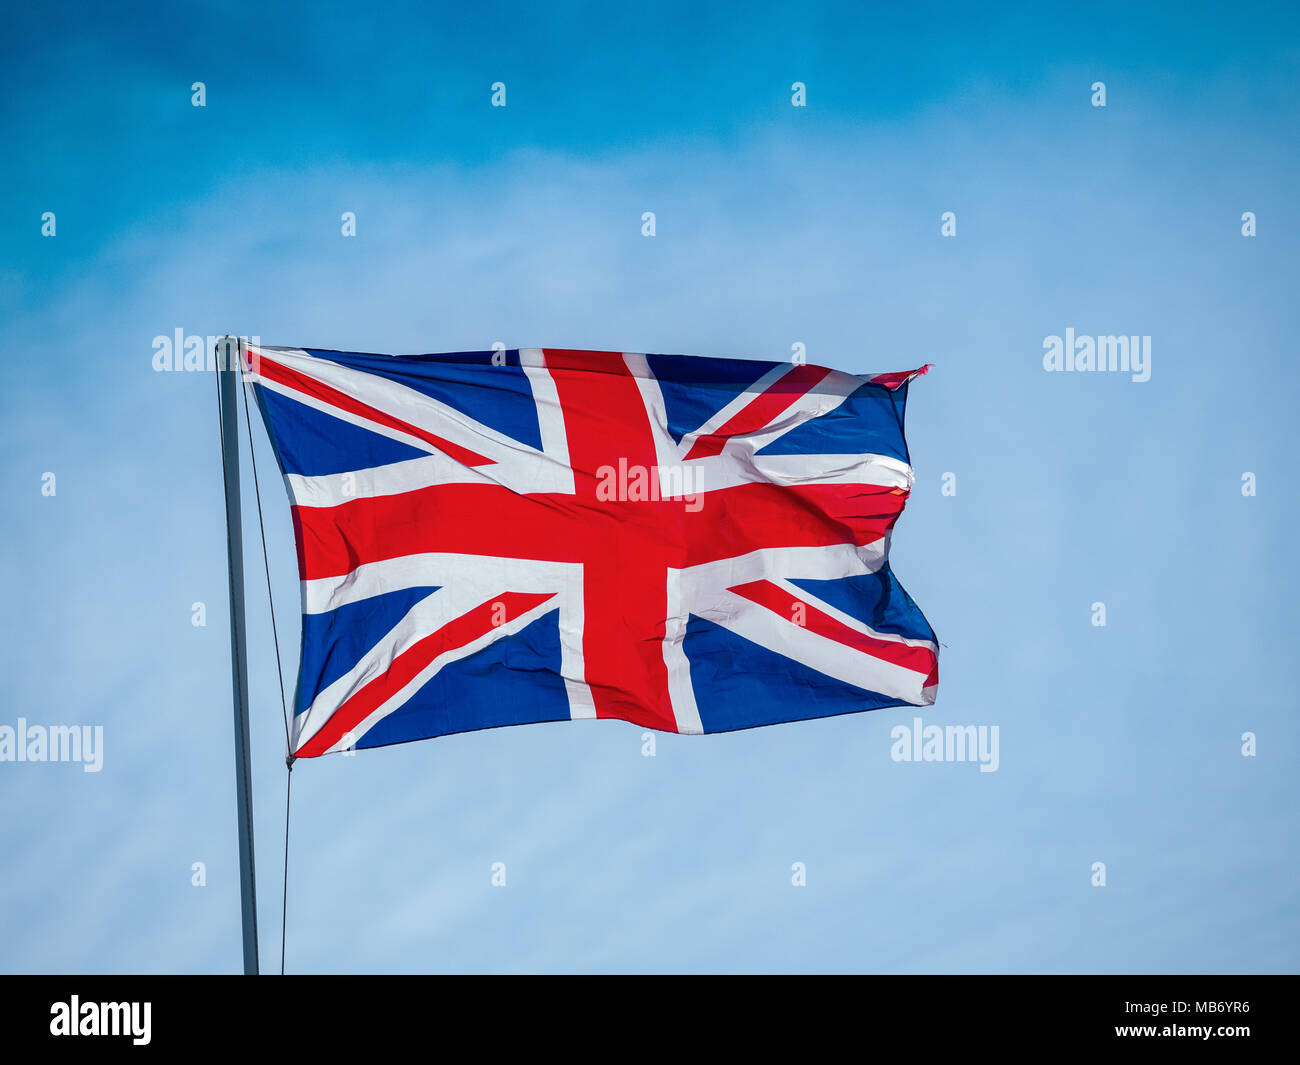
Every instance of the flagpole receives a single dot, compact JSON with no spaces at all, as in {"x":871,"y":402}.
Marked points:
{"x":229,"y":361}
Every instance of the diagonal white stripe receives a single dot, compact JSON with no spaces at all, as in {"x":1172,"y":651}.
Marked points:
{"x":784,"y":637}
{"x":464,"y":581}
{"x":545,"y":473}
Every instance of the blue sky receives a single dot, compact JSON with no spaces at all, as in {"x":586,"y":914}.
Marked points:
{"x":775,"y":225}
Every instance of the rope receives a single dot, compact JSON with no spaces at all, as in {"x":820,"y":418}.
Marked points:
{"x":266,"y":568}
{"x":284,"y":901}
{"x":279,"y":671}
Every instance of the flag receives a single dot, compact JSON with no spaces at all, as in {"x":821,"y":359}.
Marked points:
{"x":496,"y":538}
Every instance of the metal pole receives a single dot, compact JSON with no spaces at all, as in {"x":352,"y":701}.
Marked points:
{"x":229,"y":359}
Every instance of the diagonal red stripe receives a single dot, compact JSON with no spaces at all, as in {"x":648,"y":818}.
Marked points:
{"x":764,"y":409}
{"x":779,"y":601}
{"x":407,"y":666}
{"x":309,"y":386}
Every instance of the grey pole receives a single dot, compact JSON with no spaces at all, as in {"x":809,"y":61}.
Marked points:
{"x":229,"y":359}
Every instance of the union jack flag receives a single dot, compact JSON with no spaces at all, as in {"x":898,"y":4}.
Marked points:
{"x":497,"y":538}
